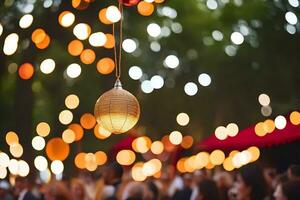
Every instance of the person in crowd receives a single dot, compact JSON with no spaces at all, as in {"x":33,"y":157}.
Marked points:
{"x":4,"y":191}
{"x":171,"y":182}
{"x":289,"y":190}
{"x":152,"y":192}
{"x":198,"y":176}
{"x":22,"y":189}
{"x":187,"y":190}
{"x":250,"y":183}
{"x":112,"y":176}
{"x":78,"y":190}
{"x":224,"y":182}
{"x":134,"y":191}
{"x":294,"y":172}
{"x":208,"y":190}
{"x":57,"y":191}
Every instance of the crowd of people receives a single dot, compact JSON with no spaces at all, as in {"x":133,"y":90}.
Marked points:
{"x":250,"y":182}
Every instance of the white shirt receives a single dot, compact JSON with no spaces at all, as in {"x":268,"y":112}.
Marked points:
{"x":22,"y":194}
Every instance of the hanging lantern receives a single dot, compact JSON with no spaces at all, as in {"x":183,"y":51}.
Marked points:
{"x":117,"y":110}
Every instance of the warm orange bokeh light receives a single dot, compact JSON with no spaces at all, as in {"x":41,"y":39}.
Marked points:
{"x":26,"y":71}
{"x":125,"y":157}
{"x":78,"y":130}
{"x":44,"y":44}
{"x":180,"y":165}
{"x":87,"y":56}
{"x":105,"y":66}
{"x":57,"y":149}
{"x":110,"y":41}
{"x":167,"y":144}
{"x":295,"y":118}
{"x":102,"y":16}
{"x":187,"y":142}
{"x":159,"y":1}
{"x":11,"y":138}
{"x":38,"y":35}
{"x":269,"y":125}
{"x":145,"y":8}
{"x":101,"y":158}
{"x":75,"y":47}
{"x":80,"y":160}
{"x":87,"y":121}
{"x":80,"y":4}
{"x":101,"y":133}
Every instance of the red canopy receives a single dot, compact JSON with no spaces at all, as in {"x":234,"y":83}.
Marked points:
{"x":247,"y":138}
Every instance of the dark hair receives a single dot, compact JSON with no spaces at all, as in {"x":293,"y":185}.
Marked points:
{"x":253,"y":177}
{"x":209,"y":190}
{"x":291,"y":189}
{"x":295,"y":170}
{"x":117,"y":168}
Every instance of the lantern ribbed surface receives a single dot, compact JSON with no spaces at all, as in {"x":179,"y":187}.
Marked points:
{"x":117,"y":110}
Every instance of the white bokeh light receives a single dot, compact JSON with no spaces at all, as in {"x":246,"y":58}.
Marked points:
{"x":217,"y":35}
{"x":82,"y":31}
{"x":212,"y":4}
{"x":129,"y":45}
{"x":47,"y":66}
{"x":204,"y":79}
{"x":40,"y":163}
{"x":171,"y":61}
{"x":155,"y":46}
{"x":146,"y":86}
{"x":10,"y":44}
{"x":294,"y":3}
{"x":280,"y":122}
{"x":57,"y":167}
{"x":135,"y":72}
{"x":113,"y":14}
{"x":237,"y":38}
{"x":153,"y":30}
{"x":97,"y":39}
{"x":291,"y":18}
{"x":264,"y":99}
{"x":157,"y":82}
{"x":38,"y":143}
{"x":26,"y":21}
{"x":73,"y":70}
{"x":1,"y":29}
{"x":67,"y":19}
{"x":190,"y":89}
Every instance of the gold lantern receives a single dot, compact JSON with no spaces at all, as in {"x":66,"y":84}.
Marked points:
{"x":117,"y":110}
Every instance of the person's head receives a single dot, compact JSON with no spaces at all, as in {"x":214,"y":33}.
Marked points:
{"x":187,"y":180}
{"x":223,"y":179}
{"x":250,"y":183}
{"x":289,"y":190}
{"x":21,"y":183}
{"x":208,"y":190}
{"x":4,"y":188}
{"x":294,"y":172}
{"x":136,"y":190}
{"x":113,"y":173}
{"x":151,"y":191}
{"x":56,"y":191}
{"x":199,"y":175}
{"x":77,"y":189}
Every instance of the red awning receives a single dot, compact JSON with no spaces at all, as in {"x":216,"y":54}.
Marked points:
{"x":247,"y":138}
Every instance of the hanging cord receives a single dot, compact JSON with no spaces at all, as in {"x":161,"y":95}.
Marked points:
{"x":118,"y":60}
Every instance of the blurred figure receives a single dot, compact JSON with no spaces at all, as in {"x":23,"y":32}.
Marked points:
{"x":294,"y":172}
{"x":199,"y":175}
{"x":134,"y":191}
{"x":289,"y":190}
{"x":207,"y":190}
{"x":78,"y":190}
{"x":250,"y":183}
{"x":57,"y":191}
{"x":187,"y":190}
{"x":171,"y":182}
{"x":152,"y":192}
{"x":22,"y":189}
{"x":112,"y":176}
{"x":4,"y":191}
{"x":224,"y":182}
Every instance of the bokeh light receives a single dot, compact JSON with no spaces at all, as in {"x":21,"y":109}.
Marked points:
{"x":78,"y":130}
{"x":190,"y":89}
{"x":47,"y":66}
{"x":204,"y":79}
{"x":105,"y":66}
{"x":38,"y":143}
{"x":57,"y":167}
{"x":25,"y":21}
{"x":66,"y":18}
{"x":280,"y":122}
{"x":65,"y":117}
{"x":157,"y":147}
{"x":73,"y":70}
{"x":68,"y":136}
{"x":295,"y":118}
{"x":26,"y":71}
{"x":175,"y":137}
{"x":41,"y":163}
{"x":101,"y":133}
{"x":135,"y":72}
{"x":182,"y":119}
{"x":97,"y":39}
{"x":57,"y":149}
{"x":171,"y":61}
{"x":16,"y":150}
{"x":129,"y":45}
{"x":11,"y":138}
{"x":264,"y":99}
{"x":87,"y":121}
{"x":110,"y":41}
{"x":87,"y":56}
{"x":113,"y":14}
{"x":82,"y":31}
{"x":145,"y":8}
{"x":75,"y":47}
{"x":43,"y":129}
{"x":217,"y":157}
{"x":125,"y":157}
